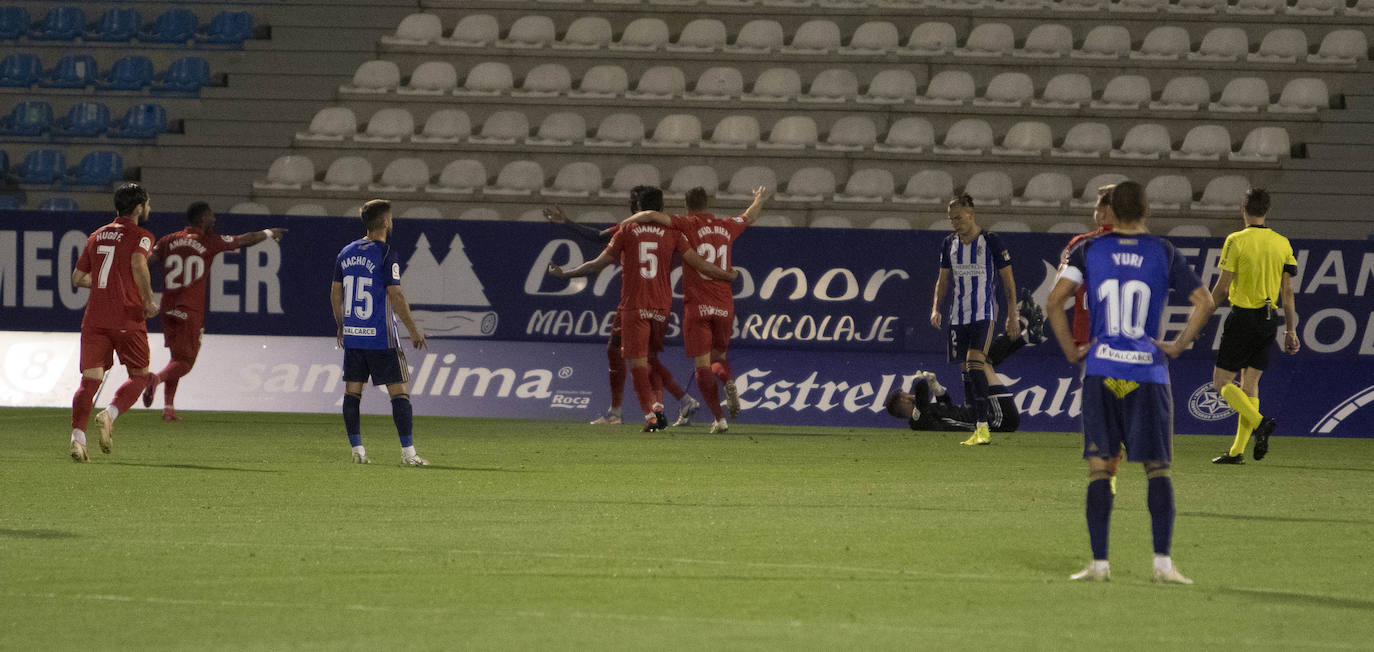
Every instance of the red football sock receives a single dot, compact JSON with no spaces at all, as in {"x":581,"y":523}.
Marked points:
{"x":129,"y":392}
{"x":617,"y":371}
{"x":644,"y":389}
{"x":169,"y":391}
{"x":169,"y":375}
{"x":665,"y":377}
{"x":706,"y":382}
{"x":83,"y":401}
{"x":722,"y":369}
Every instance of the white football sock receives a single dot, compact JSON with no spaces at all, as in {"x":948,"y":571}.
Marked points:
{"x":1163,"y":563}
{"x":79,"y":436}
{"x":360,"y":450}
{"x":114,"y":412}
{"x":1099,"y":565}
{"x":407,"y":452}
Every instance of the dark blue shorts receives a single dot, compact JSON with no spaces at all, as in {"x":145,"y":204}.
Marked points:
{"x":1139,"y":416}
{"x":384,"y":366}
{"x":965,"y":337}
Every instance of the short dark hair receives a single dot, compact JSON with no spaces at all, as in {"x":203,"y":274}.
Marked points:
{"x":1104,"y":195}
{"x":697,"y":199}
{"x":373,"y":212}
{"x":196,"y":211}
{"x":962,"y":201}
{"x":646,"y":198}
{"x":891,"y":405}
{"x":128,"y":197}
{"x":1256,"y":202}
{"x":1129,"y":202}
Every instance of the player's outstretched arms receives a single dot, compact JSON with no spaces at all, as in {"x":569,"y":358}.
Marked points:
{"x":645,"y":217}
{"x":1203,"y":307}
{"x":336,"y":298}
{"x":756,"y":208}
{"x":254,"y":237}
{"x":590,"y":267}
{"x":1064,"y":290}
{"x":143,"y":280}
{"x":554,"y":213}
{"x":691,"y":257}
{"x":402,"y":309}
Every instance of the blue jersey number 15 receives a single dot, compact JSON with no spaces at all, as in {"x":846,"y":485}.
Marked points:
{"x":363,"y":308}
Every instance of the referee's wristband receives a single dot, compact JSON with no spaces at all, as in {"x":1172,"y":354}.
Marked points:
{"x":1290,"y":332}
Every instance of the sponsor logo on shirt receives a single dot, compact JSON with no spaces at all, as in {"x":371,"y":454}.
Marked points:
{"x":969,"y":269}
{"x":1107,"y":353}
{"x":711,"y":311}
{"x":179,"y":314}
{"x":654,"y":315}
{"x":360,"y":331}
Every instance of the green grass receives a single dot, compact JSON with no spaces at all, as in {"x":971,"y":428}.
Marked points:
{"x":252,"y":531}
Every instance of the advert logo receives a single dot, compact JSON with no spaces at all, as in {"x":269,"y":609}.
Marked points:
{"x":1344,"y":411}
{"x":1206,"y":404}
{"x":452,"y":283}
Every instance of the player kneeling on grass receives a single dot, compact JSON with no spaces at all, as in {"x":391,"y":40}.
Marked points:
{"x":366,"y":290}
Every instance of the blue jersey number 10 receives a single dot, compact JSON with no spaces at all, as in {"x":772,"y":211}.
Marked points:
{"x":1128,"y":305}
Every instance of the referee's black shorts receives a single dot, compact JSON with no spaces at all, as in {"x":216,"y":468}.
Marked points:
{"x":1247,"y":338}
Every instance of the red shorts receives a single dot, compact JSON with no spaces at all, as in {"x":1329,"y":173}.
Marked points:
{"x":182,"y":335}
{"x":642,"y":332}
{"x":706,"y":329}
{"x":98,"y":346}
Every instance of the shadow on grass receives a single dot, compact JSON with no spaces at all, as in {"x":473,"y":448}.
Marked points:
{"x":36,"y":534}
{"x":1305,"y":599}
{"x":195,"y":467}
{"x":1279,"y":519}
{"x":489,"y":469}
{"x":1319,"y":468}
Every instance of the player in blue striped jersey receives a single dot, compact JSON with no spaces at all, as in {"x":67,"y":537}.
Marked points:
{"x":1128,"y":274}
{"x":367,"y":299}
{"x":971,"y":262}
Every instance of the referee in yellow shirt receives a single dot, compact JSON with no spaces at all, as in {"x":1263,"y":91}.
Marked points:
{"x":1257,"y":268}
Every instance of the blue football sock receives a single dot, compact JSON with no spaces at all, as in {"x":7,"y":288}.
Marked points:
{"x":401,"y":413}
{"x":1099,"y":516}
{"x":1160,"y":498}
{"x":352,"y":407}
{"x":981,"y":392}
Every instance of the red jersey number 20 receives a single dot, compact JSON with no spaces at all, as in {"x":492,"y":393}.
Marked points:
{"x":182,"y":272}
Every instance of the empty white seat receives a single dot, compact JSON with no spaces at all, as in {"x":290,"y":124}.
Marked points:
{"x":1302,"y":95}
{"x":1204,"y":143}
{"x":1222,"y":44}
{"x":1263,"y":145}
{"x":968,"y":137}
{"x":292,"y":171}
{"x":890,"y":87}
{"x":1029,"y":138}
{"x":809,"y":184}
{"x":1166,"y":43}
{"x":758,"y":36}
{"x":988,"y":40}
{"x":1197,"y":6}
{"x":1008,"y":89}
{"x":1342,"y":46}
{"x":931,"y":39}
{"x":1009,"y":226}
{"x":1088,"y":198}
{"x":488,"y":78}
{"x":629,"y":176}
{"x":1124,"y":92}
{"x":529,"y":32}
{"x":1190,"y":231}
{"x":1069,"y":227}
{"x":851,"y":133}
{"x":562,"y":128}
{"x":533,"y":214}
{"x":643,"y":35}
{"x":1286,"y":45}
{"x":775,"y":85}
{"x":309,"y":210}
{"x":422,"y":213}
{"x":388,"y":126}
{"x":416,"y":29}
{"x":831,"y":222}
{"x":814,"y":37}
{"x":676,"y":130}
{"x":618,"y":130}
{"x":700,"y":35}
{"x":1085,"y":140}
{"x":482,"y":214}
{"x":873,"y":38}
{"x":586,"y":33}
{"x":746,"y":179}
{"x":734,"y":132}
{"x":503,"y":128}
{"x":332,"y":123}
{"x":1361,"y":8}
{"x":868,"y":185}
{"x":1104,"y":42}
{"x":374,"y":77}
{"x":833,"y":85}
{"x":1223,"y":193}
{"x":250,"y":208}
{"x":463,"y":176}
{"x":474,"y":31}
{"x":1242,"y":95}
{"x":989,"y":188}
{"x":948,"y":88}
{"x":346,"y":173}
{"x":717,"y":84}
{"x":602,"y":81}
{"x":891,"y":222}
{"x":402,"y":175}
{"x":659,"y":83}
{"x":445,"y":126}
{"x":774,"y":220}
{"x":518,"y":178}
{"x":1066,"y":91}
{"x":1169,"y":192}
{"x":694,"y":176}
{"x":579,"y":179}
{"x":1315,"y":7}
{"x":1256,"y":7}
{"x":1144,"y":142}
{"x":927,"y":187}
{"x":910,"y":134}
{"x":1183,"y":94}
{"x":431,"y":78}
{"x":792,"y":132}
{"x":1047,"y":41}
{"x":545,"y":80}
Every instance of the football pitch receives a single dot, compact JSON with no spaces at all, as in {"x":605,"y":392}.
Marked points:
{"x":253,"y":531}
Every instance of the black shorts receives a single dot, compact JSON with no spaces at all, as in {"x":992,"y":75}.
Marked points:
{"x":965,"y":337}
{"x":384,"y":366}
{"x":1246,"y":339}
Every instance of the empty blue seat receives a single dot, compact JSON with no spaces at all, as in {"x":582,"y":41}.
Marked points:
{"x":141,"y":121}
{"x":128,"y":74}
{"x":84,"y":120}
{"x":59,"y":205}
{"x":14,"y":22}
{"x":27,"y":119}
{"x":173,"y":26}
{"x":229,"y":27}
{"x":97,"y":169}
{"x":119,"y":24}
{"x":60,"y":24}
{"x":42,"y":167}
{"x":186,"y":75}
{"x":72,"y":71}
{"x":20,"y":70}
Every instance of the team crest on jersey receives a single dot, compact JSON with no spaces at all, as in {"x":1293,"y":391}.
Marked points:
{"x":1206,"y":404}
{"x":435,"y":288}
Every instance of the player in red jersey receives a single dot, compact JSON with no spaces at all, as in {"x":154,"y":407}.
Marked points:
{"x":708,"y":305}
{"x":114,"y":265}
{"x":645,"y":253}
{"x":186,"y":256}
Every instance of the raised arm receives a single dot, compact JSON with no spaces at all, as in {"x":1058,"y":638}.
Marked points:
{"x":1064,"y":290}
{"x":144,"y":281}
{"x":644,"y":217}
{"x":941,"y":289}
{"x":585,"y":269}
{"x":1013,"y":314}
{"x":402,"y":310}
{"x":1291,"y":343}
{"x":253,"y":237}
{"x":556,"y":215}
{"x":1203,"y":306}
{"x":752,"y":213}
{"x":706,"y":267}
